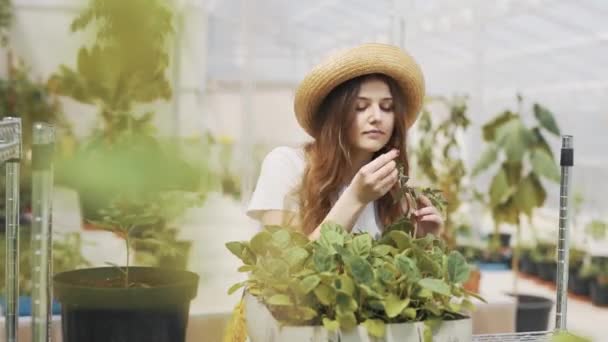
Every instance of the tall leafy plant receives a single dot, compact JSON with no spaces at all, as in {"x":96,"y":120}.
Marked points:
{"x":520,"y":157}
{"x":126,"y":63}
{"x":439,"y":156}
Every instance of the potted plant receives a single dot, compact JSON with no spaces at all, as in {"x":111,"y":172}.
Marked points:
{"x":599,"y":284}
{"x":545,"y":256}
{"x":439,"y":156}
{"x":352,"y":287}
{"x":523,"y":157}
{"x":126,"y":303}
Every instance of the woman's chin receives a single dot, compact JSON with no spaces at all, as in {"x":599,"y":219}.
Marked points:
{"x":371,"y":147}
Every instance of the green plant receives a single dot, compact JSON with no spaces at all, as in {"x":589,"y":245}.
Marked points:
{"x":524,"y":157}
{"x":411,"y":195}
{"x":597,"y":229}
{"x":439,"y":157}
{"x":342,"y":280}
{"x":126,"y":63}
{"x":144,"y":222}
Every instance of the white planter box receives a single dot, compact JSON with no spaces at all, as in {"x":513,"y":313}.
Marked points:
{"x":263,"y":327}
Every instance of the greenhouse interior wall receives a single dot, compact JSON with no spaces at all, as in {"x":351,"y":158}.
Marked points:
{"x":234,"y":69}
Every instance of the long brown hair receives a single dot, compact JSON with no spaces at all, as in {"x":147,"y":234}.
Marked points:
{"x":328,"y":157}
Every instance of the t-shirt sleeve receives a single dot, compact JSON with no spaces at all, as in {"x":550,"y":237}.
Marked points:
{"x":280,"y":175}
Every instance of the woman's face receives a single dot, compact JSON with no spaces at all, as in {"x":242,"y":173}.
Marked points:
{"x":375,"y":119}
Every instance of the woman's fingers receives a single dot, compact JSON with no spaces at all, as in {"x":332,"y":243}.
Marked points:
{"x":379,"y":162}
{"x":427,"y":211}
{"x":385,"y":184}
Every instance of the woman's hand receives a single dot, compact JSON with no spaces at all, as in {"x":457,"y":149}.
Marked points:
{"x":375,"y":179}
{"x":428,"y":217}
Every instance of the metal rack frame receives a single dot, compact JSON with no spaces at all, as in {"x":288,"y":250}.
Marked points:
{"x":10,"y":155}
{"x":563,"y":242}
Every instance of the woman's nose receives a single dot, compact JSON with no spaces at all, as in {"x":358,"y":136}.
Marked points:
{"x":374,"y":113}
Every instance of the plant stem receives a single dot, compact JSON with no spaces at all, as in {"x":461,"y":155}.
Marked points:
{"x":515,"y":260}
{"x":128,"y":242}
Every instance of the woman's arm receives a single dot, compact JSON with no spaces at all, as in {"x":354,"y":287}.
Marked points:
{"x":371,"y":182}
{"x":345,"y":212}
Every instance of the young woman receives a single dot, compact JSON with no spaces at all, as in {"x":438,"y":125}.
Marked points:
{"x":357,"y":105}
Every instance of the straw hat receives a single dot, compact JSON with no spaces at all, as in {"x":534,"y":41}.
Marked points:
{"x":364,"y":59}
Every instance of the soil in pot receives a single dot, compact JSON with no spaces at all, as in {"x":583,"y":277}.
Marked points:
{"x":532,"y":313}
{"x":599,"y":293}
{"x":97,"y":307}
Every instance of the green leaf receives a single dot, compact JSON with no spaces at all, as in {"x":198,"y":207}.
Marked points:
{"x":488,"y":157}
{"x":345,"y":303}
{"x":281,"y":239}
{"x":347,"y":320}
{"x":331,"y":235}
{"x":306,"y":313}
{"x":408,"y":267}
{"x":409,"y":313}
{"x":475,"y":295}
{"x":424,"y":293}
{"x":236,"y":248}
{"x":235,"y":287}
{"x":468,"y":306}
{"x":330,"y":325}
{"x":381,"y":250}
{"x":279,"y":300}
{"x":295,"y":256}
{"x":458,"y":269}
{"x":499,"y":188}
{"x":395,"y":305}
{"x":530,"y":194}
{"x":362,"y":271}
{"x":345,"y":284}
{"x":546,"y":119}
{"x":514,"y":138}
{"x":325,"y":294}
{"x":246,"y":268}
{"x":374,"y":327}
{"x":436,"y":285}
{"x":544,"y":165}
{"x":309,"y":283}
{"x":259,"y":242}
{"x":323,"y":260}
{"x":362,"y":245}
{"x":489,"y":129}
{"x":401,"y":239}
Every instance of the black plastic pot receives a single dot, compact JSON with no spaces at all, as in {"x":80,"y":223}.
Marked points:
{"x":158,"y":313}
{"x":528,"y":266}
{"x":579,"y":285}
{"x":547,"y":270}
{"x":599,"y":294}
{"x":505,"y":239}
{"x":532,"y":313}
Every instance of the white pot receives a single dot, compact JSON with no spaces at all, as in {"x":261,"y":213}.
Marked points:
{"x":263,"y":327}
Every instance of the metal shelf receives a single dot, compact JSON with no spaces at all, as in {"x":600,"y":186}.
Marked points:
{"x":539,"y":336}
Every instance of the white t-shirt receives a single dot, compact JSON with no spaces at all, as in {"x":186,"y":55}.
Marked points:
{"x":281,"y":173}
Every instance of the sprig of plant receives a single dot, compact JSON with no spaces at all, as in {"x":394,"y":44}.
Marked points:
{"x":124,"y":217}
{"x":412,"y":197}
{"x":342,"y":280}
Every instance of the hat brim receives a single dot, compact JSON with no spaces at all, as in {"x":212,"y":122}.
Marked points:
{"x":372,"y":58}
